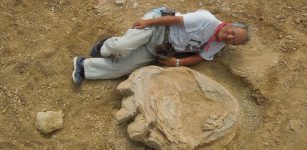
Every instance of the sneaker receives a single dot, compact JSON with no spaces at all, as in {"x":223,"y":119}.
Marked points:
{"x":95,"y":51}
{"x":78,"y":72}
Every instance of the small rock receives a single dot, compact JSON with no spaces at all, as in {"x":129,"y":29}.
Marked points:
{"x":164,"y":5}
{"x":49,"y":121}
{"x":119,"y":2}
{"x":277,"y":141}
{"x":278,"y":17}
{"x":226,"y":9}
{"x":200,"y":4}
{"x":235,"y":15}
{"x":290,"y":37}
{"x":270,"y":129}
{"x":135,"y":5}
{"x":295,"y":124}
{"x":298,"y":21}
{"x":266,"y":143}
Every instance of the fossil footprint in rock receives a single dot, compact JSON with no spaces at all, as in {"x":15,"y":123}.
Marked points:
{"x":177,"y":108}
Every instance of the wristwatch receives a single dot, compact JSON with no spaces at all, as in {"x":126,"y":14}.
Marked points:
{"x":177,"y":63}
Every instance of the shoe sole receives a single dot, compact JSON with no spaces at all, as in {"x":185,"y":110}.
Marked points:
{"x":75,"y":66}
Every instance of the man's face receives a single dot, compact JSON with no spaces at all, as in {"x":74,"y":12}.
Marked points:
{"x":232,"y":35}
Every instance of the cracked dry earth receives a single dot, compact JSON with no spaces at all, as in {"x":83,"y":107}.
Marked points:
{"x":39,"y":39}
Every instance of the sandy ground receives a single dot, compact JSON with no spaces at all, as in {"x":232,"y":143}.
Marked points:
{"x":39,"y":39}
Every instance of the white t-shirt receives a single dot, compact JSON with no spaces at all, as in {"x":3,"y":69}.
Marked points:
{"x":198,"y":27}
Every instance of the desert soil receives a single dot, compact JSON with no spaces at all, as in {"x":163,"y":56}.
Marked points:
{"x":39,"y":39}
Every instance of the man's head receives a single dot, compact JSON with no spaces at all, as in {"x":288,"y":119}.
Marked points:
{"x":235,"y":33}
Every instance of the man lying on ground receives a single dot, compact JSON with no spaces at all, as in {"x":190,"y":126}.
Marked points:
{"x":160,"y":30}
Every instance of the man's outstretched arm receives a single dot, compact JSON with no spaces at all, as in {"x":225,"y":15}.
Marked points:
{"x":191,"y":60}
{"x":164,"y":20}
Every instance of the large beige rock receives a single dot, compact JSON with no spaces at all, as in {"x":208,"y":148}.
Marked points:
{"x":177,"y":108}
{"x":49,"y":121}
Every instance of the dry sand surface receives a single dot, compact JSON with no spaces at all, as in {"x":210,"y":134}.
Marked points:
{"x":39,"y":39}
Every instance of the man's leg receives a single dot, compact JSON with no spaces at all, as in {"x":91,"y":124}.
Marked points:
{"x":123,"y":46}
{"x":106,"y":68}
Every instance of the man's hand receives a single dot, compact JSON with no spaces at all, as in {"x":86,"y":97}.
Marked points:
{"x":168,"y":62}
{"x":191,"y":60}
{"x":164,"y":20}
{"x":140,"y":24}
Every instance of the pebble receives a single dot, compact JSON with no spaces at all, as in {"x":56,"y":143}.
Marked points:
{"x":298,"y":21}
{"x":277,"y":141}
{"x":235,"y":15}
{"x":135,"y":5}
{"x":226,"y":9}
{"x":290,"y":37}
{"x":119,"y":2}
{"x":266,"y":143}
{"x":270,"y":129}
{"x":279,"y":17}
{"x":296,"y":124}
